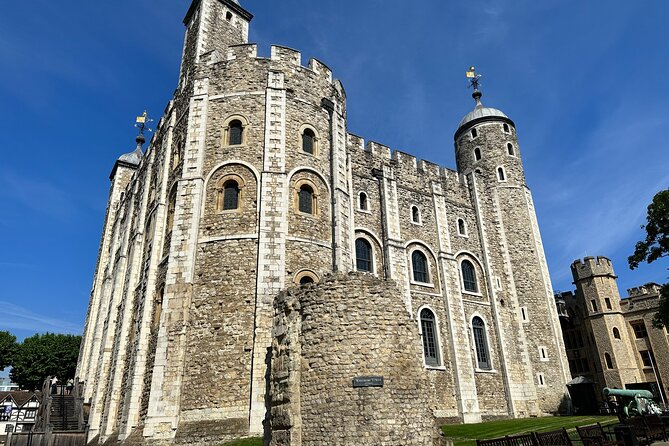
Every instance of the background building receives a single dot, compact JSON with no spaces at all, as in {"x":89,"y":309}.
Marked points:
{"x":609,"y":340}
{"x":252,"y":184}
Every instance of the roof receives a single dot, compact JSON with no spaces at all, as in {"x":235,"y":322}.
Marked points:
{"x":133,"y":157}
{"x":481,"y":112}
{"x":20,"y":397}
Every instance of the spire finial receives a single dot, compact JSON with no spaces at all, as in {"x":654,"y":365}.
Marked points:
{"x":141,"y":123}
{"x":474,"y":79}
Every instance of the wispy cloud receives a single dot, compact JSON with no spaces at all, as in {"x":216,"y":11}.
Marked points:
{"x":16,"y":317}
{"x":39,"y":195}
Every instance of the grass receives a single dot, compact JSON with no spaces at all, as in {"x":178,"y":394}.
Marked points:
{"x":467,"y":434}
{"x":245,"y":442}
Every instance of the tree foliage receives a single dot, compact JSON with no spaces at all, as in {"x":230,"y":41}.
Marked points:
{"x":655,"y":246}
{"x":40,"y":356}
{"x":7,"y":348}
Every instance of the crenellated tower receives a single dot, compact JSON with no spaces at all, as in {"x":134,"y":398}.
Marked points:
{"x":598,"y":291}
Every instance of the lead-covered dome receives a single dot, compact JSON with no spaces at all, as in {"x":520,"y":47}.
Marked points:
{"x":482,"y":113}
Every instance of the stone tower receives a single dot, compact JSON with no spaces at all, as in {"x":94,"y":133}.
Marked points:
{"x":596,"y":284}
{"x":488,"y":156}
{"x":252,"y":184}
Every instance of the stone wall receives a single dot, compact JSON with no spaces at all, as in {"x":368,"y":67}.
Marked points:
{"x":325,"y":335}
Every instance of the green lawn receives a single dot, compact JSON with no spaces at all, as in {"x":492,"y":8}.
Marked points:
{"x":467,"y":434}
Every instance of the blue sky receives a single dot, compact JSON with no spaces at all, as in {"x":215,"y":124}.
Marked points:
{"x":585,"y":83}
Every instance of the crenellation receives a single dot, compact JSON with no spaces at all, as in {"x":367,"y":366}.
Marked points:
{"x":253,"y":196}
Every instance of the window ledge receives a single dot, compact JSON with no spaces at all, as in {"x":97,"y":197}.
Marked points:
{"x":463,"y":235}
{"x":366,"y":211}
{"x":417,"y":223}
{"x":423,"y":284}
{"x":471,"y":293}
{"x":492,"y":371}
{"x":439,"y":368}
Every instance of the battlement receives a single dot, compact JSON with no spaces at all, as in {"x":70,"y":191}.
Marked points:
{"x":278,"y":53}
{"x":647,"y":289}
{"x":592,"y":267}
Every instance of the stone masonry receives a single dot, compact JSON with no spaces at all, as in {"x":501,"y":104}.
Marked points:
{"x":207,"y":227}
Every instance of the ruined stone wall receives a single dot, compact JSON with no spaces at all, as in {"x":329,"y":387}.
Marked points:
{"x":347,"y":326}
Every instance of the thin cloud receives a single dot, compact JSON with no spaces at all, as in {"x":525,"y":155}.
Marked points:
{"x":21,"y":318}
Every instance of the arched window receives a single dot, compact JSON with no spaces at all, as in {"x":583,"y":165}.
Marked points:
{"x":609,"y":362}
{"x":363,"y":255}
{"x":428,"y":327}
{"x":509,"y":147}
{"x":506,"y":128}
{"x":308,"y":140}
{"x":306,"y":279}
{"x":362,"y":202}
{"x":500,"y":174}
{"x":230,"y":195}
{"x":469,"y":277}
{"x":415,"y":214}
{"x":419,"y":264}
{"x":616,"y":333}
{"x":235,"y":132}
{"x":462,"y":228}
{"x":306,"y":199}
{"x":474,"y":133}
{"x":477,"y":154}
{"x":481,"y":344}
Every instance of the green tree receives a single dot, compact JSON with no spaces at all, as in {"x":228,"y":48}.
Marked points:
{"x":40,"y":356}
{"x":655,"y":246}
{"x":7,"y":348}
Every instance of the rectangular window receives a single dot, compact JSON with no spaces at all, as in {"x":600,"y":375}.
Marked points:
{"x":594,"y":305}
{"x":639,"y":329}
{"x":608,"y":303}
{"x":646,"y":358}
{"x":543,"y":354}
{"x":541,"y":380}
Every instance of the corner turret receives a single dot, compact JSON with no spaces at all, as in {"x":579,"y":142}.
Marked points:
{"x":486,"y":143}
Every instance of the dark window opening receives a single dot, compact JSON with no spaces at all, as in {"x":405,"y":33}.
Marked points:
{"x":616,"y":333}
{"x":308,"y":139}
{"x":509,"y":147}
{"x":477,"y":154}
{"x":481,"y":344}
{"x":594,"y":305}
{"x":306,"y":200}
{"x":306,"y":279}
{"x":462,"y":229}
{"x":474,"y":133}
{"x":230,"y":195}
{"x":607,"y":301}
{"x":363,"y":255}
{"x":236,"y":131}
{"x":363,"y":201}
{"x":646,"y":358}
{"x":506,"y":128}
{"x":639,"y":329}
{"x":500,"y":174}
{"x":415,"y":214}
{"x":430,"y":345}
{"x":609,"y":362}
{"x":419,"y":264}
{"x":469,"y":277}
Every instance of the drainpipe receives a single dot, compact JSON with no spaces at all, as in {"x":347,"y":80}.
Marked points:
{"x":378,"y":174}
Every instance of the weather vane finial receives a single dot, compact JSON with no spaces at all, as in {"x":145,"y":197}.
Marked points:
{"x":474,"y":78}
{"x":142,"y":121}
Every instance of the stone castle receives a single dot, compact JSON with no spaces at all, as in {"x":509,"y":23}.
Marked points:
{"x":258,"y":257}
{"x":611,"y":342}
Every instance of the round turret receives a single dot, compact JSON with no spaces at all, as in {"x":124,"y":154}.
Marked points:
{"x":486,"y":144}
